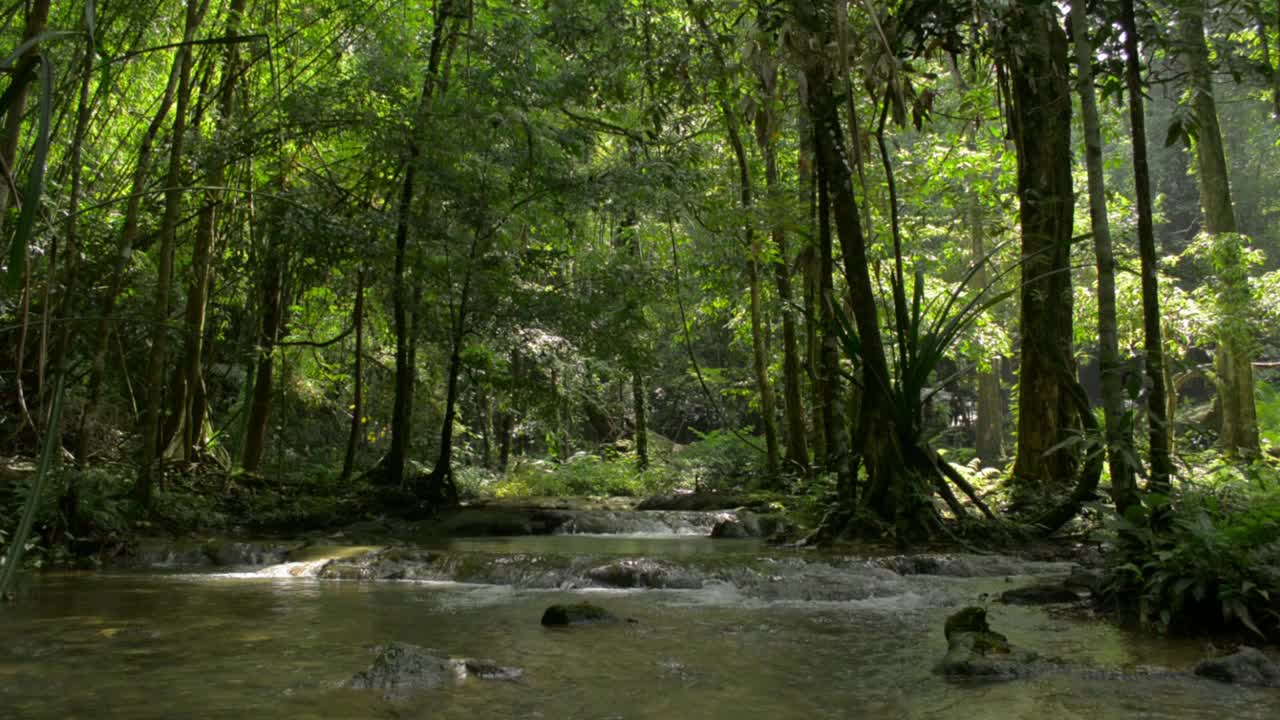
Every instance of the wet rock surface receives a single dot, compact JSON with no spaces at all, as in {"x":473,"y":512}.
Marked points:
{"x":702,"y":501}
{"x":400,"y":670}
{"x":974,"y":650}
{"x":1246,"y":666}
{"x":644,"y":573}
{"x":576,"y":614}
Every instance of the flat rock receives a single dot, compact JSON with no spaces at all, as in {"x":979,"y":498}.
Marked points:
{"x":1246,"y":666}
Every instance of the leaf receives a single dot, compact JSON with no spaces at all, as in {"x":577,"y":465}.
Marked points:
{"x":35,"y":181}
{"x":1174,"y":133}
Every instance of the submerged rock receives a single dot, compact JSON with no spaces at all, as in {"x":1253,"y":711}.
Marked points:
{"x":974,"y":650}
{"x":1043,"y":594}
{"x":401,"y":669}
{"x":576,"y":614}
{"x":1247,"y":666}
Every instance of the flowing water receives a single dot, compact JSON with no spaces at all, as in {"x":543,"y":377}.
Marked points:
{"x":746,"y":632}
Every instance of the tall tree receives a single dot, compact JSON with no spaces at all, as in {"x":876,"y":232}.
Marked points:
{"x":1034,"y":54}
{"x":1120,"y":451}
{"x":1234,"y":359}
{"x":1159,"y":417}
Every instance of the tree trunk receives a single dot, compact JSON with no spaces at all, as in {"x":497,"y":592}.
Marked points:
{"x":153,"y":422}
{"x":1040,"y":118}
{"x":391,"y":469}
{"x":1239,"y":416}
{"x":1120,"y":448}
{"x":640,"y":407}
{"x":797,"y":455}
{"x":357,"y":373}
{"x":810,"y":266}
{"x":1159,"y":418}
{"x":188,"y":405}
{"x":271,"y":308}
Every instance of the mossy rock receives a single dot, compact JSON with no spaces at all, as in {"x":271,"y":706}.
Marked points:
{"x":972,"y":619}
{"x":576,"y":614}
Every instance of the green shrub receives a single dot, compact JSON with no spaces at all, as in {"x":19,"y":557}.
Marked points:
{"x":723,"y":460}
{"x":585,"y":474}
{"x":1216,"y":563}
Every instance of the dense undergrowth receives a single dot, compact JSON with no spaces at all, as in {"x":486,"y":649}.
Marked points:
{"x":1214,"y":564}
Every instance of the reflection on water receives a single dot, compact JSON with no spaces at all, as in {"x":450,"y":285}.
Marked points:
{"x":165,"y":646}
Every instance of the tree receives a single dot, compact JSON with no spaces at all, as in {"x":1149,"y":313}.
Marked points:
{"x":1234,"y":360}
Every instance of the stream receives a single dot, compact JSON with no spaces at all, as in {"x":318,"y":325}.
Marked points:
{"x":722,"y":629}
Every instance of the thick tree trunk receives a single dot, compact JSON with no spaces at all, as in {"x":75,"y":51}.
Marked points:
{"x":1239,"y":414}
{"x":1159,"y":418}
{"x":1120,"y":448}
{"x":153,"y":422}
{"x":891,"y":493}
{"x":357,"y":373}
{"x":1040,"y":118}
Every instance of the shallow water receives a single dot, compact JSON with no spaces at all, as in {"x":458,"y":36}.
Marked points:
{"x":815,"y":639}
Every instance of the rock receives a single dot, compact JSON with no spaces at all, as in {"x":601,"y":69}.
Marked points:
{"x":1044,"y":594}
{"x":976,"y":651}
{"x":971,"y":620}
{"x":643,"y":573}
{"x":745,"y":524}
{"x":401,"y":669}
{"x":730,"y":528}
{"x":1090,"y":581}
{"x":701,"y":501}
{"x":576,"y":614}
{"x":1247,"y":666}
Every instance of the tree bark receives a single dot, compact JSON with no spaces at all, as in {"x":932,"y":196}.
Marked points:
{"x":1159,"y":418}
{"x":271,"y":308}
{"x":153,"y":421}
{"x":1239,"y":417}
{"x":1120,"y":448}
{"x":1035,"y":54}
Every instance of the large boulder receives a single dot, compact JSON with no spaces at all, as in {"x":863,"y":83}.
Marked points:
{"x":974,"y":650}
{"x":576,"y":614}
{"x":400,"y":669}
{"x":1246,"y":666}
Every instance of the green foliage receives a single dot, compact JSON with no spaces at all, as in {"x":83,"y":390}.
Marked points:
{"x":1216,"y":563}
{"x":585,"y":474}
{"x":722,"y":460}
